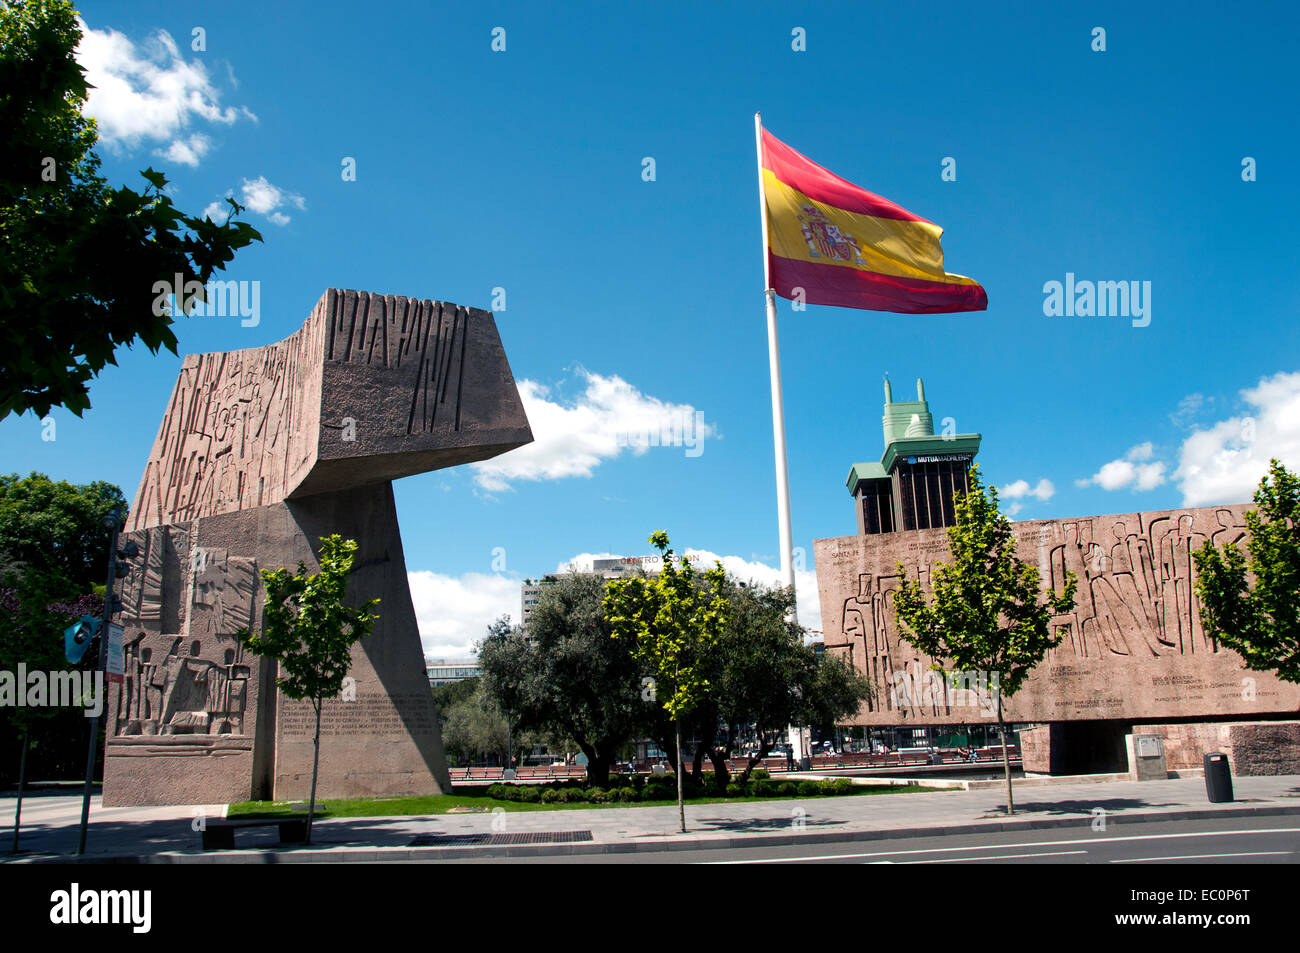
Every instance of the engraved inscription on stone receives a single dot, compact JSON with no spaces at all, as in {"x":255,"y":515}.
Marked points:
{"x":371,"y":713}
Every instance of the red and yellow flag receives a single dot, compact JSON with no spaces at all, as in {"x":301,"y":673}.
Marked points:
{"x":845,"y":246}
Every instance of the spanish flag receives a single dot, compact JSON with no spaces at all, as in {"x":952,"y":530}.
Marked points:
{"x":845,"y":246}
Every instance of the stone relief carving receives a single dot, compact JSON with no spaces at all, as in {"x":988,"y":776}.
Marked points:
{"x":193,"y":681}
{"x":1135,"y":598}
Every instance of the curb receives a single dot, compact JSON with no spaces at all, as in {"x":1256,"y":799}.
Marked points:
{"x":362,"y":855}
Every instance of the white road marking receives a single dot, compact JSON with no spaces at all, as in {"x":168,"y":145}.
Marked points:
{"x":1050,"y":843}
{"x":1253,"y":853}
{"x":972,"y":860}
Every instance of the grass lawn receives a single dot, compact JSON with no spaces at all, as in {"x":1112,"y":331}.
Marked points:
{"x":448,"y":803}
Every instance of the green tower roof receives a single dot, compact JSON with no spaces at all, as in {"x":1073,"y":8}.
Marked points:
{"x":908,"y":429}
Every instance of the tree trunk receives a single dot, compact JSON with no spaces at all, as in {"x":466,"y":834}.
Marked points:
{"x":719,"y":755}
{"x":670,"y":751}
{"x":1006,"y":757}
{"x":315,"y":764}
{"x":22,"y":779}
{"x":697,"y":766}
{"x":681,"y":801}
{"x":721,"y":775}
{"x":764,"y":748}
{"x":599,"y":758}
{"x":598,"y":769}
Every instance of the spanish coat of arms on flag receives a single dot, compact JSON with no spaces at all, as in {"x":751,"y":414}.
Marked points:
{"x":844,"y":246}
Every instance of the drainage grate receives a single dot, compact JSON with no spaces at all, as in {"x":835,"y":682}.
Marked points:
{"x":500,"y":840}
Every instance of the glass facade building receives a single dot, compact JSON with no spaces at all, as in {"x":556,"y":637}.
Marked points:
{"x":445,"y":671}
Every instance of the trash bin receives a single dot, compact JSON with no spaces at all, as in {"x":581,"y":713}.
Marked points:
{"x":805,"y":763}
{"x":1218,"y":778}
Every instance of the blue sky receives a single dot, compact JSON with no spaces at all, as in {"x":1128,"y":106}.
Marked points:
{"x":631,"y":301}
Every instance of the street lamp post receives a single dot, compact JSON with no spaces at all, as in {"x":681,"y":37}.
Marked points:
{"x":116,"y":571}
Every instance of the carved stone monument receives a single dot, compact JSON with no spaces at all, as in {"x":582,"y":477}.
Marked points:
{"x":260,"y":453}
{"x":1132,"y":650}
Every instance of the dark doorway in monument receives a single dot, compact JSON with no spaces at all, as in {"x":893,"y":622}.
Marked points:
{"x":1089,"y":747}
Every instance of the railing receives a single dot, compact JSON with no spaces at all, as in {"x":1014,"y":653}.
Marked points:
{"x":852,"y":759}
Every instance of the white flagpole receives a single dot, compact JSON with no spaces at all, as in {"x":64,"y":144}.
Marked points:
{"x":778,"y":405}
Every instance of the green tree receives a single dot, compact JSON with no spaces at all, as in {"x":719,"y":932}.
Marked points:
{"x":568,"y":677}
{"x":80,"y":260}
{"x":309,"y":629}
{"x":53,"y":549}
{"x":58,"y":529}
{"x":1252,"y":604}
{"x":765,"y":678}
{"x":33,"y":624}
{"x":474,"y":728}
{"x":672,"y":625}
{"x":985,"y":616}
{"x":452,"y":693}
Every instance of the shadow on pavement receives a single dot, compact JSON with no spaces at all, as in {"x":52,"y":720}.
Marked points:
{"x":783,"y":822}
{"x":1082,"y":807}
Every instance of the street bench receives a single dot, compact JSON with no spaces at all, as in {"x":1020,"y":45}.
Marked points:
{"x":220,"y":834}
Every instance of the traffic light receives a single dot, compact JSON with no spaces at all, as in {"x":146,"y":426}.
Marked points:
{"x":76,"y":637}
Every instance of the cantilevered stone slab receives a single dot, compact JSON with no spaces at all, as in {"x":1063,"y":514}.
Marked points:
{"x":260,"y":453}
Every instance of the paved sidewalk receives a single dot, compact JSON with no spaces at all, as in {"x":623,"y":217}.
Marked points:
{"x":169,"y":834}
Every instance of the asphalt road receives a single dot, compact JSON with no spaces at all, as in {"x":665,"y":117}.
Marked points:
{"x":1242,"y":840}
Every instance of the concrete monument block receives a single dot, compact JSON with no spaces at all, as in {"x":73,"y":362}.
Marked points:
{"x":1252,"y":747}
{"x":1132,"y":649}
{"x":260,"y":453}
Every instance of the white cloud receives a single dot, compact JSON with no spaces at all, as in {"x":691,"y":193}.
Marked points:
{"x":1149,"y":476}
{"x":454,"y":612}
{"x":1014,"y":490}
{"x":1188,"y":408}
{"x":749,"y":570}
{"x":1042,"y":490}
{"x":149,"y":93}
{"x":1224,"y":463}
{"x":260,"y":196}
{"x":573,"y":437}
{"x":745,"y":570}
{"x":263,"y":197}
{"x":1115,"y":475}
{"x":189,"y":151}
{"x":584,"y":561}
{"x":1129,"y":471}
